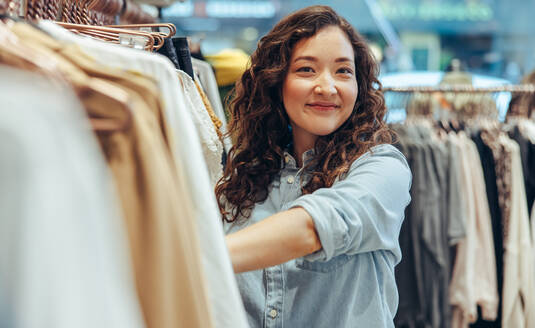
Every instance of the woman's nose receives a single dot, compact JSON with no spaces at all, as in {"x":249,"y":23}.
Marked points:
{"x":325,"y":85}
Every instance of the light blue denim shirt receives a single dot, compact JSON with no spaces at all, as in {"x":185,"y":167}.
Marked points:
{"x":350,"y":282}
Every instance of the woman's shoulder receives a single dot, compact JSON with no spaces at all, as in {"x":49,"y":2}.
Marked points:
{"x":382,"y":154}
{"x":382,"y":160}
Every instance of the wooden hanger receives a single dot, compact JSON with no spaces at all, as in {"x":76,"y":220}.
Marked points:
{"x":14,"y":53}
{"x":158,"y":35}
{"x":114,"y":34}
{"x":25,"y":58}
{"x":169,"y":26}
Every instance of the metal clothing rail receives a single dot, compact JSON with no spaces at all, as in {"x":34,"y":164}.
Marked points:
{"x":523,"y":88}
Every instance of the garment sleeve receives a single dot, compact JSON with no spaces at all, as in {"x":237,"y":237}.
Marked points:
{"x":455,"y":204}
{"x":362,"y":212}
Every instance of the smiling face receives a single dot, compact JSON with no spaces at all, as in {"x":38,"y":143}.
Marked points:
{"x":320,"y":89}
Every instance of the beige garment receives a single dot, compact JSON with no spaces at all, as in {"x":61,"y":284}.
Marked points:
{"x":474,"y":279}
{"x":487,"y":296}
{"x":519,"y":275}
{"x":150,"y":97}
{"x":157,"y":209}
{"x":461,"y":293}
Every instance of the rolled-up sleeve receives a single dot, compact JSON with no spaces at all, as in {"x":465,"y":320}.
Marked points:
{"x":363,"y":211}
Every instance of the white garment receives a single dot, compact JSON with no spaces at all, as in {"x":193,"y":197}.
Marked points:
{"x":474,"y":280}
{"x":212,"y":148}
{"x":486,"y":283}
{"x":527,"y":128}
{"x":64,"y":259}
{"x":532,"y":221}
{"x":227,"y":306}
{"x":518,"y":282}
{"x":209,"y":83}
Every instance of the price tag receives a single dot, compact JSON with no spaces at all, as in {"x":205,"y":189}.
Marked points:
{"x":23,"y":7}
{"x":14,"y":8}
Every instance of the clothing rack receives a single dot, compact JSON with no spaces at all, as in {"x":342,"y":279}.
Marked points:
{"x":398,"y":99}
{"x":88,"y":12}
{"x":525,"y":88}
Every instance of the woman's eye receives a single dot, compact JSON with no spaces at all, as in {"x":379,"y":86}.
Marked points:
{"x":305,"y":69}
{"x":345,"y":70}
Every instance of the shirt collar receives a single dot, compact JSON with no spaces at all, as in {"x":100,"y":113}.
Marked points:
{"x":289,"y":161}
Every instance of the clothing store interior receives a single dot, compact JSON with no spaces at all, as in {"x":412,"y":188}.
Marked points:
{"x":113,"y":220}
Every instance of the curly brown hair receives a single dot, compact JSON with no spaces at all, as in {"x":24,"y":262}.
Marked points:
{"x":259,"y":125}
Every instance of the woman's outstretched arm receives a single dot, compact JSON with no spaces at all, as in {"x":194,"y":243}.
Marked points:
{"x":277,"y":239}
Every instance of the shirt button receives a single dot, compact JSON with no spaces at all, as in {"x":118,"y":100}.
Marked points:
{"x":273,"y":313}
{"x":290,"y":180}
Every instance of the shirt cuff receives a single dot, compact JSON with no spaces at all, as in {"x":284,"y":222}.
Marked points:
{"x":331,"y":238}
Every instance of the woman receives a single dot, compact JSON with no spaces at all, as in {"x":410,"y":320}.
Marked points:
{"x":313,"y":195}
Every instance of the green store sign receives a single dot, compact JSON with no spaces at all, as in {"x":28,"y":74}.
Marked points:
{"x":475,"y":12}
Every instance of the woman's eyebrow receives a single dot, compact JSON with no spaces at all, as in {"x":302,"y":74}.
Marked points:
{"x":309,"y":58}
{"x":343,"y":59}
{"x":314,"y":59}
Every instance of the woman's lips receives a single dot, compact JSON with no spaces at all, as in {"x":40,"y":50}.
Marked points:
{"x":322,"y":107}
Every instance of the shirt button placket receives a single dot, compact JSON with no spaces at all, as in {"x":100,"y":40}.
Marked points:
{"x":274,"y":297}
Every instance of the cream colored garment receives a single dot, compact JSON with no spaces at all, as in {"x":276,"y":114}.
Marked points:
{"x":474,"y":275}
{"x":64,"y":259}
{"x":486,"y":284}
{"x":209,"y":84}
{"x":518,"y":284}
{"x":212,"y":147}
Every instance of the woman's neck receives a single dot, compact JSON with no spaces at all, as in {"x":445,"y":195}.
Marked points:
{"x":302,"y":143}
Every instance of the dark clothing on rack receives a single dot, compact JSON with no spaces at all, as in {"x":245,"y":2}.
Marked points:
{"x":424,"y":234}
{"x":177,"y":50}
{"x":437,"y":289}
{"x":409,"y":276}
{"x":184,"y":56}
{"x":489,"y":172}
{"x":527,"y":154}
{"x":168,"y":50}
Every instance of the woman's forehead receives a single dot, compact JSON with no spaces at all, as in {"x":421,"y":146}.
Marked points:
{"x":331,"y":42}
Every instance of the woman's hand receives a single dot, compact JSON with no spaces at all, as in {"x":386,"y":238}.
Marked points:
{"x":277,"y":239}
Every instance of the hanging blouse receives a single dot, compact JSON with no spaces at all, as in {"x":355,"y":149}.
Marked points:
{"x":210,"y":142}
